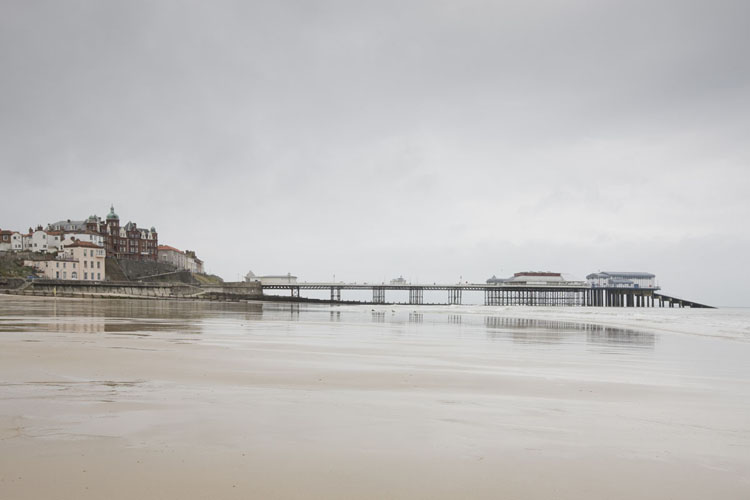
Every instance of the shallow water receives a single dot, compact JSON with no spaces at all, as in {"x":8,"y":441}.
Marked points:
{"x":165,"y":399}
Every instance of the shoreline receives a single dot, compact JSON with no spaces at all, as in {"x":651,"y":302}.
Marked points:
{"x":133,"y":399}
{"x":625,"y":318}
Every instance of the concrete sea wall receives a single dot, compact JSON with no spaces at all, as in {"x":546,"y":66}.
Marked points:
{"x":60,"y":288}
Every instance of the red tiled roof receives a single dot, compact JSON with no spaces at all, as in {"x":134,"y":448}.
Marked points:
{"x":86,"y":244}
{"x":167,"y":247}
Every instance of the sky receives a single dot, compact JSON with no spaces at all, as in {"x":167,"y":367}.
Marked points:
{"x":438,"y":140}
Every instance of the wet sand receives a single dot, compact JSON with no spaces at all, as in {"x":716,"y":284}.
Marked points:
{"x":133,"y":399}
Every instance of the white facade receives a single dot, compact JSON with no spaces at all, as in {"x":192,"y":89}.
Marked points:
{"x":182,"y":260}
{"x":280,"y":279}
{"x":81,"y":261}
{"x":194,"y":264}
{"x":16,"y":242}
{"x":611,"y":279}
{"x":42,"y":241}
{"x":70,"y":238}
{"x":171,"y":255}
{"x":90,"y":259}
{"x":56,"y":269}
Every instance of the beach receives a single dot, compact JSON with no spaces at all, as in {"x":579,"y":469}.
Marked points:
{"x":125,"y":399}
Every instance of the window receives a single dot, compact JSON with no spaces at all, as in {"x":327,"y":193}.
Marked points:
{"x":74,"y":275}
{"x":99,"y":264}
{"x":64,"y":265}
{"x":57,"y":264}
{"x":84,"y":252}
{"x":99,"y":276}
{"x":57,"y":274}
{"x":85,"y":263}
{"x":85,"y":276}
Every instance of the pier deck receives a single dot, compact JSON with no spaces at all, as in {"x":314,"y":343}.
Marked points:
{"x":570,"y":293}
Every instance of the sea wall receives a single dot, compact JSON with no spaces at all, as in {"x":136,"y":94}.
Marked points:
{"x":117,"y":269}
{"x":61,"y":288}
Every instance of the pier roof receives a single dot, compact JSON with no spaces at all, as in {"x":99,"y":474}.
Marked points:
{"x":621,"y":274}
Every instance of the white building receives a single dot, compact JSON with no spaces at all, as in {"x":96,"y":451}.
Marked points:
{"x":611,"y":279}
{"x":271,"y":279}
{"x":16,"y":241}
{"x":194,"y":264}
{"x":182,"y":260}
{"x":56,"y":268}
{"x":80,"y":261}
{"x":39,"y":240}
{"x":90,"y":258}
{"x":89,"y":236}
{"x":172,"y":255}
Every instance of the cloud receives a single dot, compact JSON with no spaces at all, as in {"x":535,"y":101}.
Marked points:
{"x":386,"y":137}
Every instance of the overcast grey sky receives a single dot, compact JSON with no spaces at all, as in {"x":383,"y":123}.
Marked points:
{"x":433,"y":139}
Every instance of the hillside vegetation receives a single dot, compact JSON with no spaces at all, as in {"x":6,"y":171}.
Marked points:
{"x":11,"y":266}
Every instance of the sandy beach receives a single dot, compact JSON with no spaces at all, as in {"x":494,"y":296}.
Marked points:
{"x":125,"y":399}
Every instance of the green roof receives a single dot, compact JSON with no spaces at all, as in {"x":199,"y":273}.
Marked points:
{"x":112,"y":214}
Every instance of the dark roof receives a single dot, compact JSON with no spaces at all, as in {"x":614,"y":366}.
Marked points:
{"x":620,"y":274}
{"x":78,"y":224}
{"x":86,"y":244}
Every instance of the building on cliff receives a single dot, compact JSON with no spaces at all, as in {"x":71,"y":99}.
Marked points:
{"x":81,"y":260}
{"x":5,"y":240}
{"x":182,"y":260}
{"x":122,"y":242}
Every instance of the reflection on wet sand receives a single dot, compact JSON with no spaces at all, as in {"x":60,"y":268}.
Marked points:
{"x":143,"y":318}
{"x":415,"y":317}
{"x":529,"y":330}
{"x":124,"y":317}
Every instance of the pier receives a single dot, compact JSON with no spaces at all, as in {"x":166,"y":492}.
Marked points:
{"x":573,"y":293}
